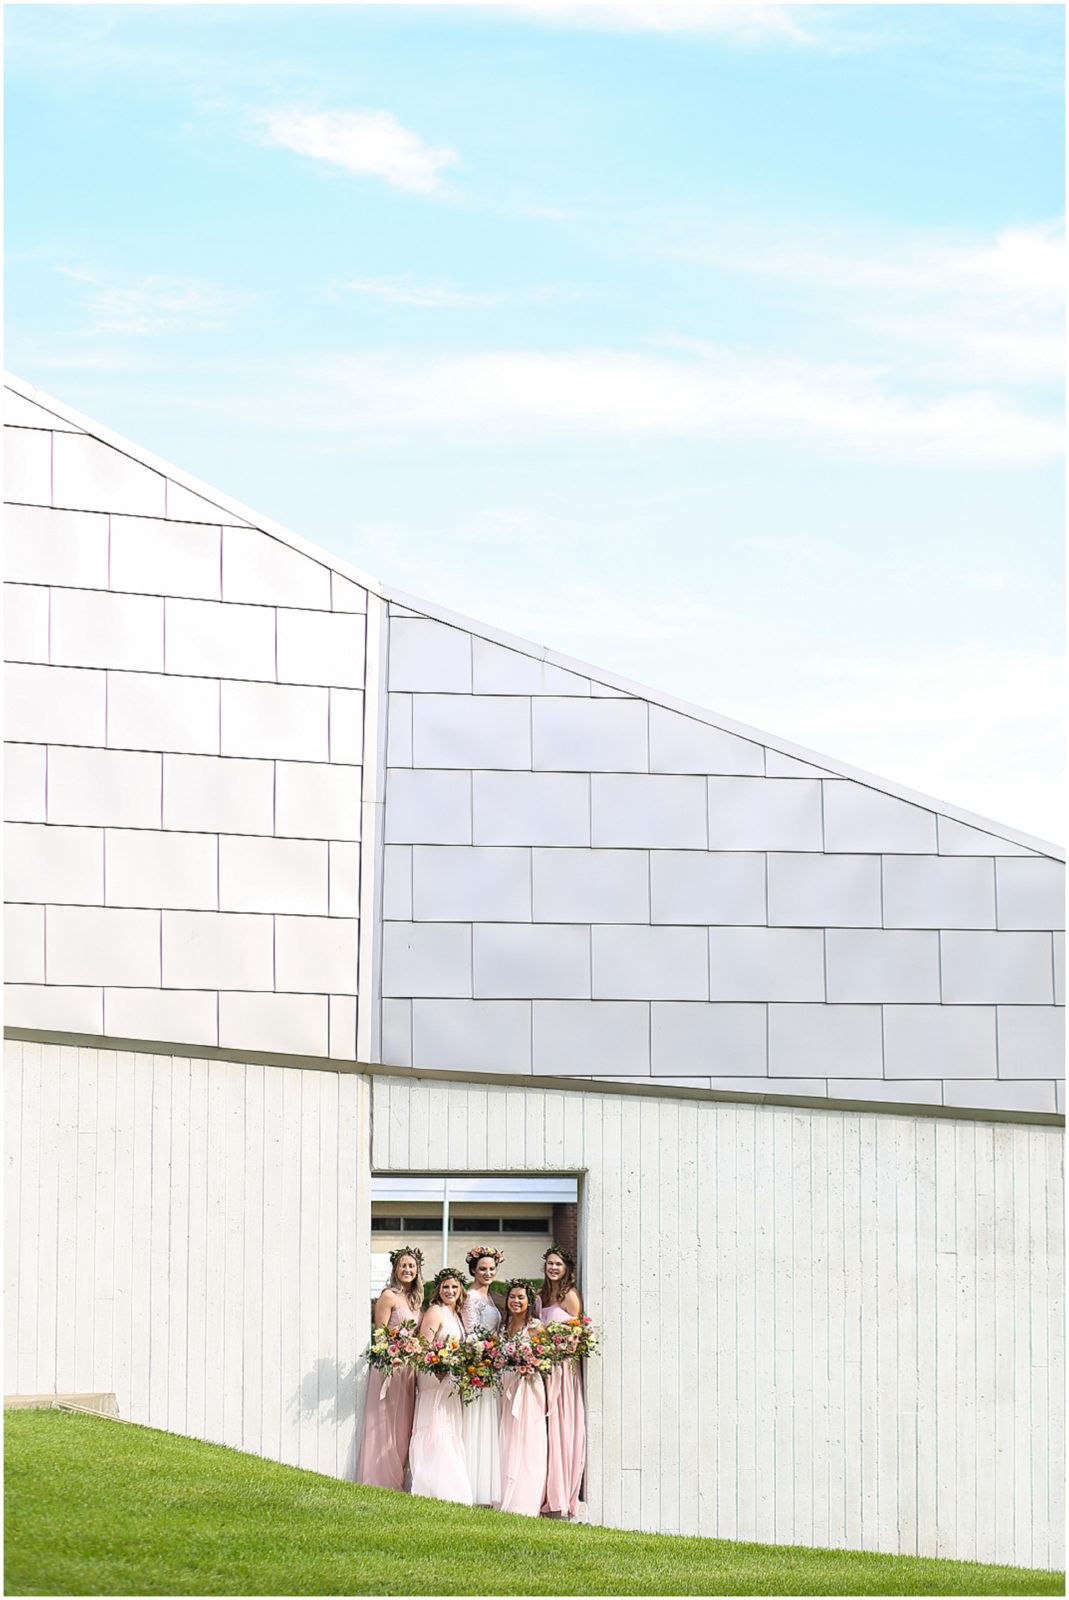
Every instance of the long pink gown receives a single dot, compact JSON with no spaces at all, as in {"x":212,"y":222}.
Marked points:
{"x":566,"y":1418}
{"x":436,"y":1453}
{"x":387,"y":1421}
{"x":524,"y":1444}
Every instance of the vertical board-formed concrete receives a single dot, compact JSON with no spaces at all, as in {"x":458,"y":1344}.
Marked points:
{"x":192,"y":1236}
{"x":820,"y":1327}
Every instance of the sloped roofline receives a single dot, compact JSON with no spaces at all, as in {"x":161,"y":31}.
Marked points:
{"x":600,"y":675}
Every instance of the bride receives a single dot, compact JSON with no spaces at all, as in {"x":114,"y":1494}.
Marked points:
{"x":482,"y":1419}
{"x":436,"y":1453}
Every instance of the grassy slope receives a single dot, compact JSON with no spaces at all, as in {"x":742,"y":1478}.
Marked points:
{"x":97,"y":1508}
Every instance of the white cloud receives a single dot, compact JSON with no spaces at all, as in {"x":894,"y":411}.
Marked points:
{"x":371,"y":143}
{"x":153,"y":304}
{"x":409,"y":291}
{"x":712,"y":394}
{"x":746,"y":24}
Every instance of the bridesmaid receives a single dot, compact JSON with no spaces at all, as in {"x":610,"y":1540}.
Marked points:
{"x":559,"y":1301}
{"x":437,"y":1449}
{"x":391,"y":1397}
{"x":482,"y":1418}
{"x":524,"y":1446}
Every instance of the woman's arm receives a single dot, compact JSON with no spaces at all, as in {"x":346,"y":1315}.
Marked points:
{"x":573,"y":1303}
{"x":432,"y":1321}
{"x":383,"y":1307}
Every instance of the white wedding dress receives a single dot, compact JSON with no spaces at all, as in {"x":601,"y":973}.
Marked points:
{"x":482,"y":1418}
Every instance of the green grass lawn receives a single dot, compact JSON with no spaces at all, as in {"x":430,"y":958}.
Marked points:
{"x":95,"y":1507}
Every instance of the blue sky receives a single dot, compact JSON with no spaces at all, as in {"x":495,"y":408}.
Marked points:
{"x":718,"y":345}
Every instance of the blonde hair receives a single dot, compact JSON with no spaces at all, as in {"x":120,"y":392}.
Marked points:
{"x":411,"y":1293}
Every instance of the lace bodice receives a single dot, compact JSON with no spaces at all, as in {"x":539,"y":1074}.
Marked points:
{"x":480,"y":1313}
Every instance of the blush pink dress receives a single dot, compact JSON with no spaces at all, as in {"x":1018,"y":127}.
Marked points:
{"x":566,"y":1420}
{"x":524,"y":1444}
{"x":436,"y":1453}
{"x":388,"y":1421}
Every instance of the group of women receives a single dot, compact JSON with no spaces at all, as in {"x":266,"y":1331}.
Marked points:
{"x":521,"y":1450}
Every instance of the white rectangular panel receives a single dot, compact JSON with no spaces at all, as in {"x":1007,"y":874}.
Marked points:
{"x":428,"y":807}
{"x":1031,"y":1042}
{"x":397,"y":883}
{"x":288,"y":1024}
{"x":938,"y":1041}
{"x":1031,"y":893}
{"x":472,"y":1035}
{"x":650,"y":963}
{"x":591,"y":886}
{"x":862,"y":819}
{"x":429,"y":656}
{"x":119,"y":788}
{"x":398,"y":730}
{"x":869,"y":964}
{"x":88,"y":945}
{"x":588,"y":736}
{"x":152,"y":556}
{"x":993,"y":968}
{"x":346,"y":595}
{"x":458,"y":731}
{"x":315,"y":954}
{"x":697,"y":886}
{"x":1009,"y":1095}
{"x":497,"y":670}
{"x":316,"y":801}
{"x":456,"y":883}
{"x":275,"y":719}
{"x":938,"y":892}
{"x":218,"y":794}
{"x":54,"y":705}
{"x":24,"y":782}
{"x":206,"y":950}
{"x":426,"y":959}
{"x":683,"y":744}
{"x":542,"y":962}
{"x":56,"y":864}
{"x":316,"y":648}
{"x":344,"y":884}
{"x":583,"y":1037}
{"x":147,"y":711}
{"x":347,"y":726}
{"x":91,"y":629}
{"x":179,"y":1016}
{"x":24,"y":944}
{"x":808,"y":890}
{"x":824,"y":1041}
{"x":261,"y":569}
{"x":538,"y":808}
{"x":210,"y":639}
{"x":666,"y":813}
{"x":764,"y":814}
{"x":68,"y":1010}
{"x":46,"y":546}
{"x":766,"y":964}
{"x":727,"y":1040}
{"x":272,"y":874}
{"x":396,"y":1047}
{"x":957,"y":839}
{"x":88,"y":475}
{"x":25,"y":622}
{"x":28,"y":465}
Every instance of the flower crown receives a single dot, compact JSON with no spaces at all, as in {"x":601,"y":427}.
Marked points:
{"x":407,"y":1250}
{"x":447,"y":1272}
{"x":484,"y":1250}
{"x":522,"y":1283}
{"x":565,"y":1255}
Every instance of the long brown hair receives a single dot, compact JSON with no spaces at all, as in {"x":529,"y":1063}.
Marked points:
{"x":558,"y":1290}
{"x":411,"y":1293}
{"x":529,"y":1290}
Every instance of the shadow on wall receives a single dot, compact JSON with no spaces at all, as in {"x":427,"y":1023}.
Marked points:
{"x":328,"y":1392}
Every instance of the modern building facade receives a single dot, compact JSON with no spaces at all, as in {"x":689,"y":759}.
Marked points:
{"x":319,"y":895}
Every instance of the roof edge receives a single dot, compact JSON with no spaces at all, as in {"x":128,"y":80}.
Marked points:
{"x":528,"y":647}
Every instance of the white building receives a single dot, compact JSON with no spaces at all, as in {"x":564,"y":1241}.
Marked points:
{"x":319,"y":895}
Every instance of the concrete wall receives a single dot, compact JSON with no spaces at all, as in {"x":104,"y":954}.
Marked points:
{"x":862,"y":1312}
{"x":193,"y":1236}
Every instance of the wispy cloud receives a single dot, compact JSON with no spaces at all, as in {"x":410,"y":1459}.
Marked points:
{"x":700,"y":391}
{"x":153,"y":304}
{"x":370,"y":143}
{"x":745,"y":24}
{"x":410,"y":291}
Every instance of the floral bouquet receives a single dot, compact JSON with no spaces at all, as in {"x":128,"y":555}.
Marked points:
{"x":479,"y":1367}
{"x":571,"y":1340}
{"x":443,"y":1360}
{"x":587,"y":1338}
{"x":391,"y":1348}
{"x":531,"y":1357}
